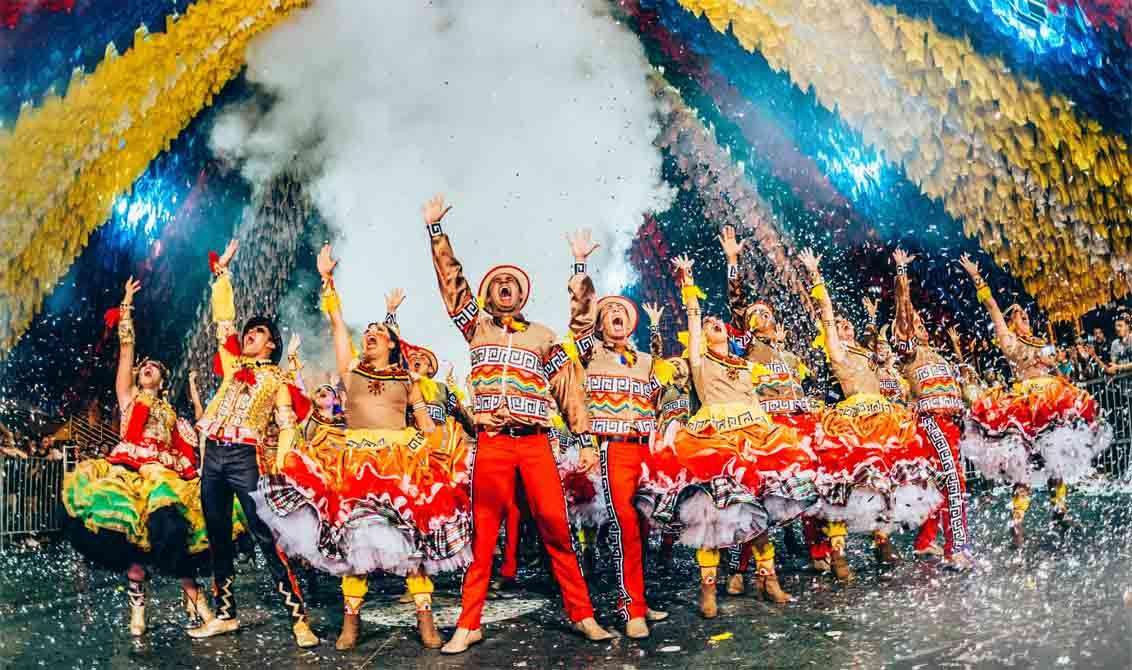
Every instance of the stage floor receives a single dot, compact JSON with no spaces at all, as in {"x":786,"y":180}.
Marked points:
{"x":1064,"y":602}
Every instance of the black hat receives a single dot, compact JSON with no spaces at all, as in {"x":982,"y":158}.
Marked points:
{"x":255,"y":322}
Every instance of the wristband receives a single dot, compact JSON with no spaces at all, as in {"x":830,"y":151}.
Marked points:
{"x":732,"y":271}
{"x":901,"y":270}
{"x":579,"y":268}
{"x":434,"y":229}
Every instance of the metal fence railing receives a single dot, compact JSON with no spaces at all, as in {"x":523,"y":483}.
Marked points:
{"x":1114,"y":395}
{"x":29,"y":497}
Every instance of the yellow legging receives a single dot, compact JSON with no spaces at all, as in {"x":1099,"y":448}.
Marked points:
{"x":357,"y":586}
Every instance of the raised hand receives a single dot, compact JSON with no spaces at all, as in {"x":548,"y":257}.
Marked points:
{"x":193,"y":378}
{"x":901,"y":257}
{"x":810,"y":261}
{"x":953,"y":333}
{"x":970,"y":266}
{"x":654,"y":313}
{"x":435,"y":209}
{"x":293,"y":344}
{"x":132,"y":287}
{"x":393,"y":299}
{"x":229,"y":254}
{"x":779,"y":333}
{"x":870,"y":308}
{"x":582,"y":244}
{"x":326,"y":263}
{"x":684,"y":265}
{"x":731,"y":246}
{"x":450,"y":377}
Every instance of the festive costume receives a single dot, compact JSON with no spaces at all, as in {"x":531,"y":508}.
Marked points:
{"x":1043,"y":430}
{"x":938,"y":403}
{"x":141,"y":504}
{"x":517,"y":371}
{"x":623,"y":387}
{"x":252,"y":394}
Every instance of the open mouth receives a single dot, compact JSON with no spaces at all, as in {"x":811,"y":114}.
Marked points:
{"x":505,"y":292}
{"x":371,"y":341}
{"x":618,"y":322}
{"x":249,"y":341}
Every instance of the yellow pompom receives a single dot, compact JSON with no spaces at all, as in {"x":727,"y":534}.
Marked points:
{"x":690,"y":292}
{"x":557,"y":422}
{"x":428,"y":387}
{"x":663,"y":371}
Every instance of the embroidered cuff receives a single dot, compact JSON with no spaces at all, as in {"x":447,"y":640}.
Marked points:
{"x":579,"y":268}
{"x":434,"y":229}
{"x":732,"y":271}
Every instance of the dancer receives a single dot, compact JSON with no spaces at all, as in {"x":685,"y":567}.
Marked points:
{"x":875,"y":476}
{"x":938,"y":403}
{"x":373,"y":496}
{"x":893,"y":386}
{"x":253,"y":393}
{"x":140,"y":506}
{"x":517,"y":371}
{"x":711,"y":478}
{"x":757,"y":334}
{"x":1043,"y":429}
{"x":623,"y":387}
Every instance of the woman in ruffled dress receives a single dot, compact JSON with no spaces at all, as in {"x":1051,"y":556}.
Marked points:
{"x":1043,"y":429}
{"x":139,"y":508}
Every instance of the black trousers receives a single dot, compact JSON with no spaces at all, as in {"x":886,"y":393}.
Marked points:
{"x":231,"y":471}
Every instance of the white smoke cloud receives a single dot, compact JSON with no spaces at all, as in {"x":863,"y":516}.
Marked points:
{"x":533,"y":118}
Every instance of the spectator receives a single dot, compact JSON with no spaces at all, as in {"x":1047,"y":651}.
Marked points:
{"x":1120,"y":351}
{"x":1100,"y":344}
{"x":1065,"y":365}
{"x":1089,"y":366}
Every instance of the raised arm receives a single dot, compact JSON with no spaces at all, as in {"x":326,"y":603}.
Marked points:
{"x":833,"y":343}
{"x":224,"y":308}
{"x":1006,"y":339}
{"x":332,"y":305}
{"x":393,"y":301}
{"x":956,"y":347}
{"x":736,"y":292}
{"x":124,"y":378}
{"x":656,"y":343}
{"x":695,"y":324}
{"x":903,"y":327}
{"x":458,"y":297}
{"x":194,"y":395}
{"x":583,"y":303}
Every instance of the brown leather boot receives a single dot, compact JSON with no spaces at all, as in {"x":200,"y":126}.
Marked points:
{"x":838,"y":561}
{"x":708,"y":606}
{"x":426,"y":626}
{"x":767,"y":586}
{"x":348,"y":638}
{"x":736,"y":585}
{"x":882,"y":550}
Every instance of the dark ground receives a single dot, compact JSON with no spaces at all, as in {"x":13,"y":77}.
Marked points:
{"x":1064,"y":602}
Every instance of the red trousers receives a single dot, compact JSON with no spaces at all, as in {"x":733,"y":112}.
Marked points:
{"x":510,"y":567}
{"x":496,"y":460}
{"x":819,"y":543}
{"x":942,"y":434}
{"x":620,"y":472}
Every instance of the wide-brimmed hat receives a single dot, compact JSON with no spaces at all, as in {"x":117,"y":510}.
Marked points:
{"x":410,"y":350}
{"x":517,"y":273}
{"x":629,"y":305}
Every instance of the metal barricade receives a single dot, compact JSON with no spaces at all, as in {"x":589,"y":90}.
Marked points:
{"x":1114,"y":395}
{"x":29,"y":497}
